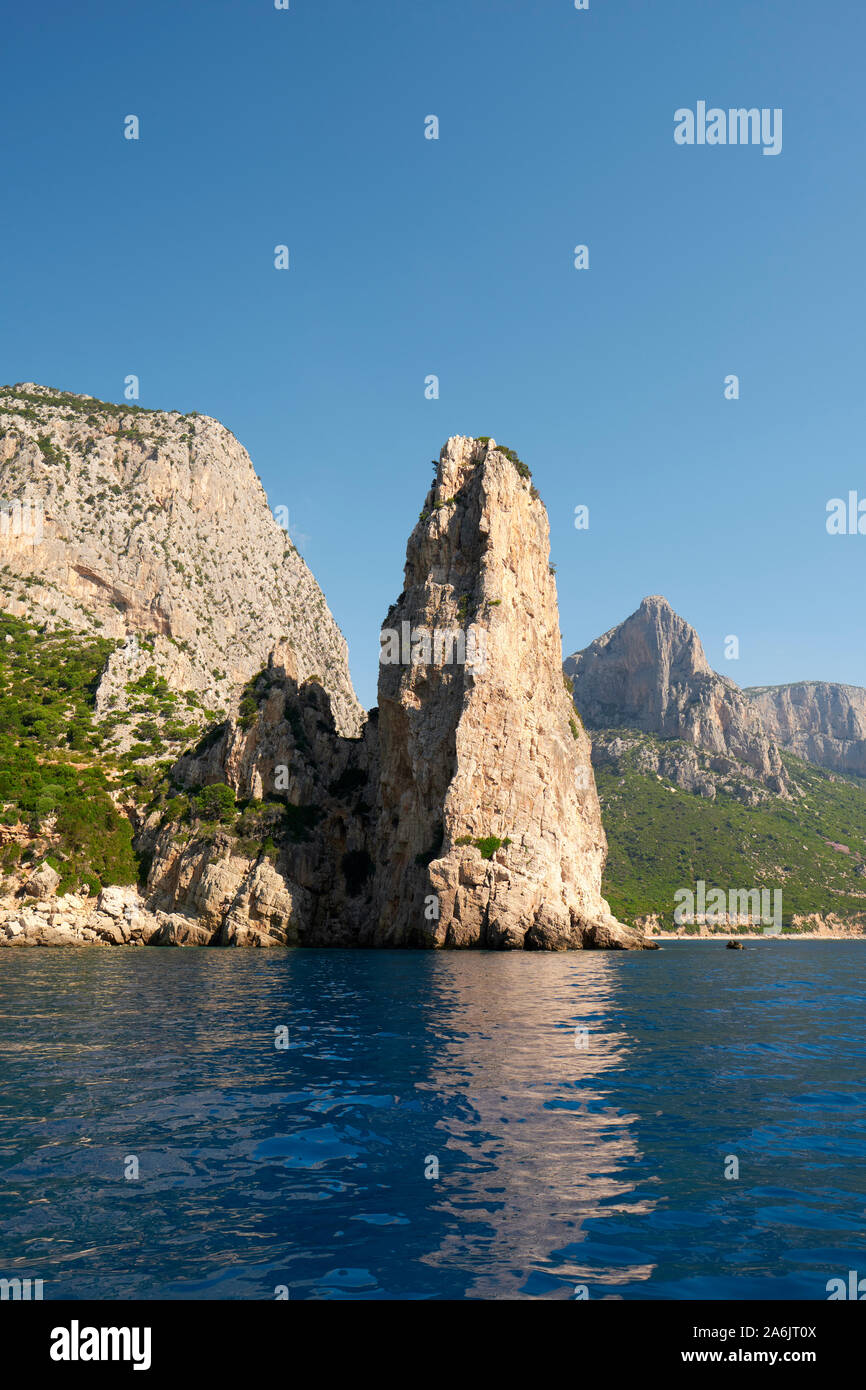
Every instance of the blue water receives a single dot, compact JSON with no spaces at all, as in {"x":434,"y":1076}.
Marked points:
{"x":559,"y":1165}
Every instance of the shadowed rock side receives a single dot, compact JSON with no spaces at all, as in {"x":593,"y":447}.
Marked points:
{"x":295,"y":869}
{"x":650,"y":673}
{"x":464,"y":815}
{"x":819,"y":721}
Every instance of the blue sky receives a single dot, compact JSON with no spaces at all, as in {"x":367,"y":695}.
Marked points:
{"x":454,"y":257}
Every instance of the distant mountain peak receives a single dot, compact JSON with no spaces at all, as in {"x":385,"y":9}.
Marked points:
{"x":650,"y":673}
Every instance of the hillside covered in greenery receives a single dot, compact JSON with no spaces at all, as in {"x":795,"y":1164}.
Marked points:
{"x":55,"y":797}
{"x":662,"y":839}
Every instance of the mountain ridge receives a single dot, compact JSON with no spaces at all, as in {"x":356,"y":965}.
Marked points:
{"x":650,"y":673}
{"x":823,"y":722}
{"x":680,"y":805}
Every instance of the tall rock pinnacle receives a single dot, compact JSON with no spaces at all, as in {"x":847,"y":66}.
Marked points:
{"x":489,"y":831}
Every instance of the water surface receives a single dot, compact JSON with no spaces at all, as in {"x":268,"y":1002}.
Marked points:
{"x":565,"y":1158}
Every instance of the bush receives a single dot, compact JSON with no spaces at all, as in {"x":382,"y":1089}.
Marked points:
{"x":522,"y":468}
{"x":177,"y":808}
{"x":300,"y":820}
{"x":490,"y":844}
{"x":487,"y":846}
{"x":47,"y":683}
{"x":248,"y":711}
{"x":216,"y":803}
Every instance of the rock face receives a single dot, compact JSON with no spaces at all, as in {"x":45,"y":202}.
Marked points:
{"x":43,"y":883}
{"x":294,"y":871}
{"x":819,"y":721}
{"x":153,"y":526}
{"x":650,"y":673}
{"x":466,"y":813}
{"x":672,"y":760}
{"x":487,"y":806}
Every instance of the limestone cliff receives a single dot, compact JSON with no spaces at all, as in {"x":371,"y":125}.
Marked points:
{"x":819,"y":721}
{"x":153,"y":527}
{"x":650,"y":673}
{"x":466,"y":812}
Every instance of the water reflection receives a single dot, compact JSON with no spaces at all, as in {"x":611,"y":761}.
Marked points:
{"x":531,"y":1143}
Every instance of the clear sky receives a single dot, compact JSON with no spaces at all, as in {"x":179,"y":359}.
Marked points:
{"x":454,"y":257}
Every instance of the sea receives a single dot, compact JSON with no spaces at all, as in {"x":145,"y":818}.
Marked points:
{"x":685,"y":1123}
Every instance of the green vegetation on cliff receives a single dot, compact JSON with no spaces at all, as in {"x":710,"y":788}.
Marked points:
{"x":54,"y":795}
{"x":30,"y":403}
{"x":662,"y":839}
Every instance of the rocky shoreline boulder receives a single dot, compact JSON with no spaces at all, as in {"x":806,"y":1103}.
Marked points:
{"x":118,"y":917}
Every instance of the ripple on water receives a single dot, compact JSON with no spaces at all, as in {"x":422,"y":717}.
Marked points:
{"x":432,"y":1130}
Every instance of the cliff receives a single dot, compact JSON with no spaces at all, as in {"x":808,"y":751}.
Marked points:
{"x":152,"y":528}
{"x":819,"y":721}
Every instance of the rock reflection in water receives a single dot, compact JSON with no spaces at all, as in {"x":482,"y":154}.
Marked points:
{"x":531,"y":1148}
